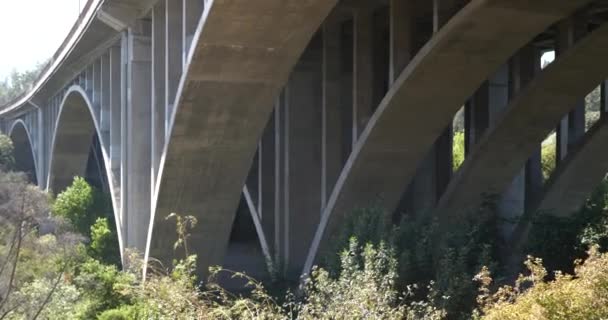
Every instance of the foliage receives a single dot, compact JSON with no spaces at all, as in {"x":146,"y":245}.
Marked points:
{"x":104,"y":287}
{"x":7,"y":157}
{"x":18,"y":83}
{"x":561,"y":240}
{"x":548,"y":154}
{"x":458,"y":150}
{"x":86,"y":209}
{"x":583,"y":295}
{"x":75,"y":204}
{"x":366,"y":288}
{"x":462,"y":251}
{"x":104,"y":242}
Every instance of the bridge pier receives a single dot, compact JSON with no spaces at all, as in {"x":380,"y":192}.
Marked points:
{"x":136,"y":134}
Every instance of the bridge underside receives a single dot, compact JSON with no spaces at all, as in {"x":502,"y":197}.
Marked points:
{"x":271,"y":121}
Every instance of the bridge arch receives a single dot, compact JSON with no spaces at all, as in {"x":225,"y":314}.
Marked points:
{"x":25,"y":159}
{"x":75,"y":129}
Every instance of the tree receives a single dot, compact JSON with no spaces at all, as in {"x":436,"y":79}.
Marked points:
{"x":18,"y":83}
{"x":7,"y":157}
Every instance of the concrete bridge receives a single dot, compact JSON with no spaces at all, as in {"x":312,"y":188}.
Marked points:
{"x":271,"y":120}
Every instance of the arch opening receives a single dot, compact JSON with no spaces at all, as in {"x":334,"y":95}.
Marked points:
{"x":23,"y":151}
{"x":77,"y":151}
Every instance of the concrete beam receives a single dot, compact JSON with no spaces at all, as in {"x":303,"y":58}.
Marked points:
{"x":412,"y":115}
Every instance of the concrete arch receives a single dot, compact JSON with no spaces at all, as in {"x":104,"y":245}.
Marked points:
{"x":25,"y":157}
{"x":225,"y":98}
{"x":75,"y":127}
{"x":530,"y":117}
{"x":424,"y":99}
{"x":579,"y":173}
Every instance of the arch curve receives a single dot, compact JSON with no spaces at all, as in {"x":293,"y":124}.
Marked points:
{"x":25,"y":156}
{"x":74,"y":131}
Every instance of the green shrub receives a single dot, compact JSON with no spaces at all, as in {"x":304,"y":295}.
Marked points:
{"x":122,"y":313}
{"x":548,"y":162}
{"x":462,"y":251}
{"x":458,"y":150}
{"x":104,"y":243}
{"x":7,"y":155}
{"x":583,"y":295}
{"x":103,"y":286}
{"x":365,"y":289}
{"x":76,"y":204}
{"x":561,"y":240}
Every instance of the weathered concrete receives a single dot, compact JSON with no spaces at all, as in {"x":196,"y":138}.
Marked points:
{"x":413,"y":115}
{"x":235,"y":70}
{"x":533,"y":114}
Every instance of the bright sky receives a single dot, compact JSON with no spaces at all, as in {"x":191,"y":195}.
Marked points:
{"x":32,"y":30}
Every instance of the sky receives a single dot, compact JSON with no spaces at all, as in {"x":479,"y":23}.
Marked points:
{"x":32,"y":30}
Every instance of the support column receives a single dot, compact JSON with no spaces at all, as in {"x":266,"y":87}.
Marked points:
{"x":406,"y":38}
{"x":173,"y":55}
{"x":192,"y":12}
{"x":267,"y":182}
{"x":443,"y":10}
{"x":529,"y":67}
{"x":41,"y":174}
{"x":105,"y":103}
{"x":303,"y":137}
{"x":401,"y":36}
{"x":572,"y":127}
{"x":362,"y":70}
{"x":138,"y":131}
{"x":158,"y":87}
{"x":332,"y":126}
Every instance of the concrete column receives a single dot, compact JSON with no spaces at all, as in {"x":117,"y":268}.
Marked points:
{"x":158,"y":87}
{"x":267,"y":207}
{"x":332,"y":126}
{"x":604,"y":99}
{"x":420,"y":196}
{"x":281,"y":175}
{"x":529,"y":67}
{"x":362,"y":70}
{"x":124,"y":154}
{"x":173,"y":55}
{"x":401,"y":36}
{"x":105,"y":102}
{"x":572,"y":127}
{"x":443,"y":10}
{"x":303,"y":148}
{"x":41,"y":174}
{"x":115,"y":105}
{"x":192,"y":12}
{"x":96,"y":93}
{"x":137,"y":133}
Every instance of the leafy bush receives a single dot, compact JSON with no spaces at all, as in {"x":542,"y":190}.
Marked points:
{"x":462,"y":251}
{"x":121,"y":313}
{"x":547,"y":161}
{"x":458,"y":149}
{"x":76,"y":204}
{"x":583,"y":295}
{"x":7,"y":156}
{"x":561,"y":240}
{"x":365,"y":288}
{"x":103,"y":286}
{"x":104,"y":242}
